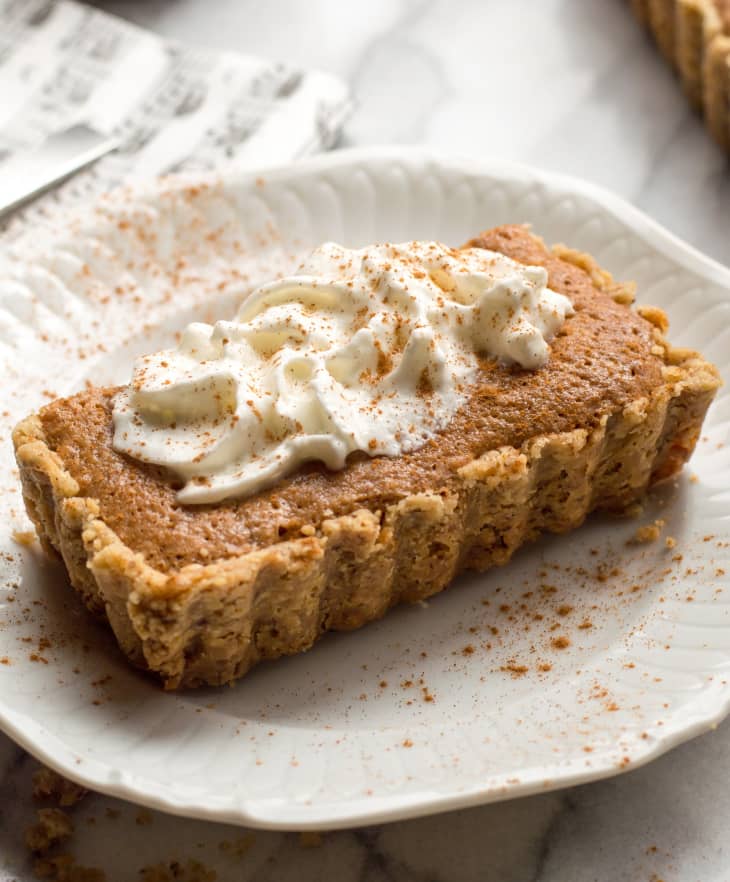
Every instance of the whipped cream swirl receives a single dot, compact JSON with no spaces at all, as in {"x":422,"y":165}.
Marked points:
{"x":360,"y":350}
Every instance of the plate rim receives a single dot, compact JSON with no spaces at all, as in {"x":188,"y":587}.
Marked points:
{"x":714,"y":706}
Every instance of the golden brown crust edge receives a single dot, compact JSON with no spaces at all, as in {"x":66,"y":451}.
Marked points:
{"x":716,"y":71}
{"x":662,"y":19}
{"x":691,"y":35}
{"x":641,"y":10}
{"x":210,"y":624}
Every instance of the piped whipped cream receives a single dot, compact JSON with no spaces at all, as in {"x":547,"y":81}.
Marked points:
{"x":360,"y":350}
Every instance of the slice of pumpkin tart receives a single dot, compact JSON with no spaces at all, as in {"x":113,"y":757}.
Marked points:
{"x":362,"y":432}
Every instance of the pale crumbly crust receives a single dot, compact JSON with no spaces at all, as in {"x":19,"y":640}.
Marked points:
{"x":209,"y":624}
{"x":662,"y":19}
{"x":698,"y":24}
{"x":716,"y":71}
{"x":692,"y":36}
{"x":641,"y":10}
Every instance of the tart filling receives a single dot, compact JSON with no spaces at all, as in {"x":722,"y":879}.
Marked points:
{"x":370,"y":350}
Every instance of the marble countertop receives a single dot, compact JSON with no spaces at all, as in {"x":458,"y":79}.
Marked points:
{"x":574,"y":86}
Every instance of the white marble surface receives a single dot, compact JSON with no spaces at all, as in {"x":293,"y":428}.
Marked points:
{"x":571,"y":85}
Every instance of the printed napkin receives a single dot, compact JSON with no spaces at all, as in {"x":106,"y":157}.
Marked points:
{"x":173,"y":107}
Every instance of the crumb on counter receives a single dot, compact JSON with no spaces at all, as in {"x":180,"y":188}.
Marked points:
{"x":52,"y":827}
{"x":63,"y":868}
{"x":310,"y":840}
{"x":240,"y":846}
{"x":48,"y":784}
{"x":174,"y":871}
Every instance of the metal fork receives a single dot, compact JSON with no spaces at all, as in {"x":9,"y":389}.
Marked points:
{"x":62,"y":154}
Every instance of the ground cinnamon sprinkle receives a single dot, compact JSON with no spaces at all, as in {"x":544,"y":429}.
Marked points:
{"x":35,"y":657}
{"x":515,"y":669}
{"x":561,"y":642}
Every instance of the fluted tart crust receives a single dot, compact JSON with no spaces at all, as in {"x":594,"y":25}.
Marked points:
{"x":694,"y":35}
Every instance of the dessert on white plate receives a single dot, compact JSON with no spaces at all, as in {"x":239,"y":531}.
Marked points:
{"x":316,"y":741}
{"x":363,"y":431}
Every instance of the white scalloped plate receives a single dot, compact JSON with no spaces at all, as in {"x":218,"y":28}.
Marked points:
{"x":465,"y":700}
